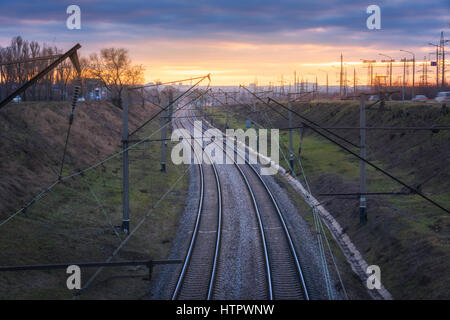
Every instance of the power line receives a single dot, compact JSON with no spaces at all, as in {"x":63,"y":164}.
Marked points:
{"x":168,"y":106}
{"x":367,"y":161}
{"x":304,"y":118}
{"x":122,"y":244}
{"x":170,"y":82}
{"x":80,"y":172}
{"x":432,"y":128}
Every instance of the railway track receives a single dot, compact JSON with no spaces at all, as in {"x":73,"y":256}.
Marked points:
{"x":203,"y":250}
{"x":282,"y":270}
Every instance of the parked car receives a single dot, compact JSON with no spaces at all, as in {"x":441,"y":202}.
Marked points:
{"x":420,"y":98}
{"x":17,"y":99}
{"x":81,"y":99}
{"x":374,"y":98}
{"x":443,"y":97}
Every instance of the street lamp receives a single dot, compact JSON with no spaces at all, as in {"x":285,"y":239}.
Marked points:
{"x":437,"y":62}
{"x":327,"y":79}
{"x":414,"y":69}
{"x":370,"y":66}
{"x":390,"y":66}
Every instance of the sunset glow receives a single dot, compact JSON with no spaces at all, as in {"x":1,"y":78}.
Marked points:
{"x":235,"y":42}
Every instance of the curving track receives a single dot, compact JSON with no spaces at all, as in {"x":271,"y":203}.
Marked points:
{"x":278,"y":268}
{"x":202,"y":254}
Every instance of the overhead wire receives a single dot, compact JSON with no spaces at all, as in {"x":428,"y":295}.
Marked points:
{"x":366,"y":161}
{"x":115,"y":155}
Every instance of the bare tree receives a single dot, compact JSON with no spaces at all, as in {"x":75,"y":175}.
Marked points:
{"x":113,"y":67}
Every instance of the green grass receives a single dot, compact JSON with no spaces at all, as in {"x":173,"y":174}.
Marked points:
{"x":69,"y":225}
{"x":406,"y":235}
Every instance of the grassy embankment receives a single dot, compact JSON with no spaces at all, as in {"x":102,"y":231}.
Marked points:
{"x":70,"y":225}
{"x":405,"y":235}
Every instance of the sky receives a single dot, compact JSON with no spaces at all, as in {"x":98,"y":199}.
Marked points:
{"x":237,"y":41}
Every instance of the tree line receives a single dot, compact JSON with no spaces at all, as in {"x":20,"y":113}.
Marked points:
{"x":111,"y":69}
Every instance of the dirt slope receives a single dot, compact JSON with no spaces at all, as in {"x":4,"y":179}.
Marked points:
{"x":32,"y":143}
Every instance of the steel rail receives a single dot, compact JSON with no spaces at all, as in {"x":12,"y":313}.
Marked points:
{"x":260,"y":225}
{"x":282,"y":221}
{"x":195,"y":232}
{"x":193,"y":237}
{"x":285,"y":228}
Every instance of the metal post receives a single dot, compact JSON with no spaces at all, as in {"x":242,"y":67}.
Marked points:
{"x":437,"y":66}
{"x":442,"y":43}
{"x":390,"y":74}
{"x":371,"y":77}
{"x":362,"y":164}
{"x":125,"y":181}
{"x":404,"y":75}
{"x":414,"y":69}
{"x":1,"y":83}
{"x":291,"y":152}
{"x":165,"y":121}
{"x":414,"y":72}
{"x":227,"y":111}
{"x":340,"y":80}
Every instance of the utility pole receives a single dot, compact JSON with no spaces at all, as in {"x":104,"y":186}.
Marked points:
{"x":354,"y":81}
{"x":340,"y":79}
{"x":442,"y":42}
{"x":371,"y":76}
{"x":424,"y":70}
{"x":125,"y":178}
{"x":291,"y":149}
{"x":165,"y":121}
{"x":437,"y":66}
{"x":404,"y":75}
{"x":370,"y":70}
{"x":227,"y":111}
{"x":414,"y":69}
{"x":437,"y":62}
{"x":362,"y":164}
{"x":317,"y":89}
{"x":295,"y":83}
{"x":390,"y":66}
{"x":442,"y":45}
{"x":345,"y":83}
{"x":254,"y":100}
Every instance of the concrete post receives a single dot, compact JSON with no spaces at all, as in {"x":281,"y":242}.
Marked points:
{"x":291,"y":149}
{"x":362,"y":164}
{"x":125,"y":178}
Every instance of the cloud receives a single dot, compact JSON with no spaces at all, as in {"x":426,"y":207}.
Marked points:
{"x":231,"y":33}
{"x":232,"y":18}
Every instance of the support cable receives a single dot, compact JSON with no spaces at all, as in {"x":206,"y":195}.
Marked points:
{"x":169,"y":105}
{"x":72,"y":113}
{"x":115,"y":155}
{"x":122,"y":244}
{"x":414,"y":190}
{"x":102,"y":208}
{"x":304,"y":118}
